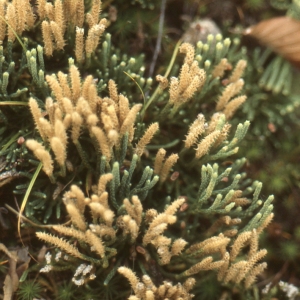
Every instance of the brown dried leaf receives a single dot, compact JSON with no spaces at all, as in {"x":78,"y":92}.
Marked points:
{"x":8,"y":253}
{"x":12,"y":272}
{"x":281,"y":34}
{"x":18,"y":264}
{"x":23,"y":261}
{"x":7,"y":288}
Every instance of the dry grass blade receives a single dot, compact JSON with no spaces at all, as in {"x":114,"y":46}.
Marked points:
{"x":282,"y":34}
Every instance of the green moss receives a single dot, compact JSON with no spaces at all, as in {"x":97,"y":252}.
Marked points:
{"x":29,"y":290}
{"x":289,"y":250}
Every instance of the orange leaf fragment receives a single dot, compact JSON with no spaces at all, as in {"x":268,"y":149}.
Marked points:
{"x":281,"y":34}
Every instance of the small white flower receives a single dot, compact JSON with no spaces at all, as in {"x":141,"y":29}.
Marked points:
{"x":46,"y":269}
{"x":266,"y":289}
{"x":48,"y":257}
{"x":79,"y":281}
{"x":79,"y":270}
{"x":58,"y":256}
{"x":290,"y":290}
{"x":87,"y":269}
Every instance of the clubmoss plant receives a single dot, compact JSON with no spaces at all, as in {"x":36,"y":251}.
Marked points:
{"x":131,"y":177}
